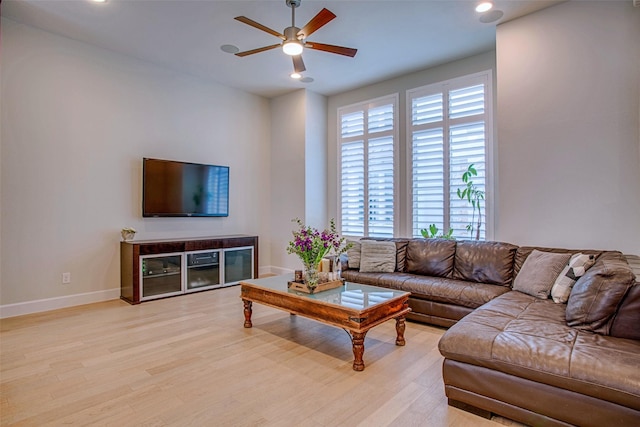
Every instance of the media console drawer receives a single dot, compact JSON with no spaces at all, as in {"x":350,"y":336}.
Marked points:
{"x":161,"y":248}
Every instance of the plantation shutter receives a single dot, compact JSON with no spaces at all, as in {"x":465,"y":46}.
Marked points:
{"x":352,"y":188}
{"x":367,"y":170}
{"x":427,"y":162}
{"x":466,"y":146}
{"x":448,"y":133}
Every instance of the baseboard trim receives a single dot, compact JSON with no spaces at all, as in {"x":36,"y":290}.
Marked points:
{"x":264,"y":270}
{"x":271,"y":269}
{"x":38,"y":306}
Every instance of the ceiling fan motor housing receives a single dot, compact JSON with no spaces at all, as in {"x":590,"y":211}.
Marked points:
{"x":291,"y":33}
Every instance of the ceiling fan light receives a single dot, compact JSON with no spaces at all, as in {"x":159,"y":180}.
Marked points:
{"x":295,"y":76}
{"x":292,"y":47}
{"x":483,"y":6}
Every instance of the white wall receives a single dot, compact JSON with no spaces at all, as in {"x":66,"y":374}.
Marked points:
{"x":399,"y":85}
{"x":569,"y":127}
{"x":298,"y":170}
{"x":287,"y":174}
{"x":76,"y":122}
{"x":316,"y":160}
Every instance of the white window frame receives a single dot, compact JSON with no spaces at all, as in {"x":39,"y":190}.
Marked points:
{"x":366,"y":106}
{"x":486,"y":78}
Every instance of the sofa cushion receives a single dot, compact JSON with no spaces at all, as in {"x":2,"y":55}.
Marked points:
{"x":355,"y":276}
{"x":626,"y":323}
{"x":438,"y":289}
{"x":596,"y":296}
{"x":539,"y":272}
{"x":575,"y":268}
{"x":524,"y":251}
{"x":377,"y":256}
{"x":430,"y":257}
{"x":451,"y":291}
{"x":401,"y":249}
{"x":353,"y":254}
{"x":525,"y":336}
{"x":401,"y":253}
{"x":484,"y":262}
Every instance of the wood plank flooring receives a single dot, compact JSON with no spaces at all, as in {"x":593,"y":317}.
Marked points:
{"x":188,"y":361}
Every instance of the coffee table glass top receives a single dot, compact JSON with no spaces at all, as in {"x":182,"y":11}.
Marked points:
{"x":351,"y":295}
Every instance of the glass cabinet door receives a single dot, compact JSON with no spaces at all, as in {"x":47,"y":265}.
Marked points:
{"x":203,"y":270}
{"x":238,"y":264}
{"x":161,"y":275}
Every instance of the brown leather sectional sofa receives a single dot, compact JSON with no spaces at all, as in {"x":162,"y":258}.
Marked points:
{"x":522,"y":357}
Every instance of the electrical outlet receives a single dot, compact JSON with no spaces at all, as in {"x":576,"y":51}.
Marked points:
{"x":66,"y":278}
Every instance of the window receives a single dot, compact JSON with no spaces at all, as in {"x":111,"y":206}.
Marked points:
{"x":448,"y":131}
{"x":367,"y":140}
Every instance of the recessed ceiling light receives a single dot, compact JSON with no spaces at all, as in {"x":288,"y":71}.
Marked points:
{"x":306,"y":80}
{"x":99,"y":1}
{"x":491,"y":16}
{"x":229,"y":48}
{"x":295,"y":76}
{"x":483,"y":6}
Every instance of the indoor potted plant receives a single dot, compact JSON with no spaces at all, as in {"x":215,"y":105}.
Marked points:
{"x":311,"y":245}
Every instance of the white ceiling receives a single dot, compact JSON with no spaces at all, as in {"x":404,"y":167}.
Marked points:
{"x":392,"y":37}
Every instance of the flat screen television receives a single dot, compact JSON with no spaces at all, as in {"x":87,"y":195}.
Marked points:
{"x":173,"y":189}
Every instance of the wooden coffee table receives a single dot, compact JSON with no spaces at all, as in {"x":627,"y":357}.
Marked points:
{"x":353,"y":307}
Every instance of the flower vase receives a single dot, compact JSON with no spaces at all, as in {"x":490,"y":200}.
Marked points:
{"x":337,"y":268}
{"x":311,"y":277}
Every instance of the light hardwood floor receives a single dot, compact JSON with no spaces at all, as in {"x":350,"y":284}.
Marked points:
{"x":188,"y":361}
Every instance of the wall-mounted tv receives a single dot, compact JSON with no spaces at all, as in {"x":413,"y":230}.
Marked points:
{"x":171,"y":188}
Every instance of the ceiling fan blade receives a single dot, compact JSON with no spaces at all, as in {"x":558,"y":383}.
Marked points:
{"x":259,"y":26}
{"x":258,"y":50}
{"x":321,"y":19}
{"x":298,"y":64}
{"x":340,"y":50}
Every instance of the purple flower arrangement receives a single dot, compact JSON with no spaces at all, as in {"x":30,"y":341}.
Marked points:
{"x":311,"y":245}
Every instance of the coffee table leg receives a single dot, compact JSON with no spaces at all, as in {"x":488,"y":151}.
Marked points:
{"x":400,"y":325}
{"x":247,"y":313}
{"x":357,"y":338}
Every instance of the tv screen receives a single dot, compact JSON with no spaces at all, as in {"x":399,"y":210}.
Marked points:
{"x":171,"y":188}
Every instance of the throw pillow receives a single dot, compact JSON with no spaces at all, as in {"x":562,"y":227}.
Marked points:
{"x":538,"y":273}
{"x":377,"y":257}
{"x":626,"y":323}
{"x":577,"y":266}
{"x":353,"y":254}
{"x":596,"y":296}
{"x":401,"y":249}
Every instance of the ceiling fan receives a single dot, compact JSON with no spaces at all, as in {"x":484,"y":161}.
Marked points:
{"x":294,"y":39}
